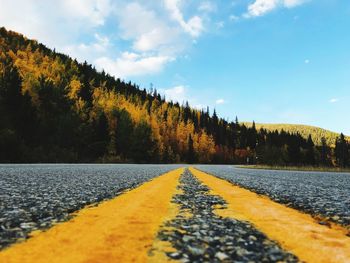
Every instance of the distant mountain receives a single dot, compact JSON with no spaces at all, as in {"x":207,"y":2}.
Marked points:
{"x":304,"y":130}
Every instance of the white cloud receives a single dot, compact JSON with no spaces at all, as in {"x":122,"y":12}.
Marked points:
{"x":131,"y":64}
{"x":207,"y":6}
{"x":306,"y":61}
{"x":333,"y":100}
{"x":293,"y":3}
{"x":176,"y":94}
{"x":142,"y":28}
{"x":152,"y":37}
{"x":262,"y":7}
{"x":145,"y":28}
{"x":220,"y":24}
{"x":233,"y":18}
{"x":194,"y":26}
{"x":55,"y":24}
{"x":87,"y":52}
{"x":220,"y":101}
{"x":94,"y":11}
{"x":181,"y":94}
{"x":150,"y":40}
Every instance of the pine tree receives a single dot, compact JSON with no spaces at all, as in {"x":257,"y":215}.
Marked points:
{"x":325,"y":152}
{"x":142,"y":147}
{"x":100,"y":138}
{"x":124,"y":131}
{"x":310,"y":152}
{"x":342,"y":151}
{"x":190,"y":152}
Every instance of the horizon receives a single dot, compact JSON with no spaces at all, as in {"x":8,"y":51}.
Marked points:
{"x":257,"y":57}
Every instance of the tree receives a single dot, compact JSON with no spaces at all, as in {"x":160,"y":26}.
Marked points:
{"x":10,"y":88}
{"x":124,"y":131}
{"x":342,"y":151}
{"x":190,"y":152}
{"x":294,"y":153}
{"x":142,"y":147}
{"x":310,"y":152}
{"x":325,"y":153}
{"x":252,"y":137}
{"x":99,"y":141}
{"x":102,"y":133}
{"x":17,"y":114}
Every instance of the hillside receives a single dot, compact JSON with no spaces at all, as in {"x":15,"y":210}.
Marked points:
{"x":304,"y":130}
{"x":54,"y":109}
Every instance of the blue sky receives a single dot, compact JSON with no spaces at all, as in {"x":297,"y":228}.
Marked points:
{"x":272,"y":61}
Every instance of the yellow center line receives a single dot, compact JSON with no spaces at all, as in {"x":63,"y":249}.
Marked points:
{"x":295,"y":231}
{"x":119,"y":230}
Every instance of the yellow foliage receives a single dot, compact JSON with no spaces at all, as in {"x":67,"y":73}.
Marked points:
{"x":204,"y":145}
{"x":74,"y":88}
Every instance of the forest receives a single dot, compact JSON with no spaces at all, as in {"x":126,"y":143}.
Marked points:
{"x":317,"y":134}
{"x":54,"y":109}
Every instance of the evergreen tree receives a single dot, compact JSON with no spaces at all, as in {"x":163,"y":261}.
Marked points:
{"x":100,"y":140}
{"x":342,"y":151}
{"x":294,"y":153}
{"x":325,"y":153}
{"x":252,"y":137}
{"x":310,"y":152}
{"x":17,"y":115}
{"x":190,"y":153}
{"x":142,"y":147}
{"x":102,"y":133}
{"x":124,"y":131}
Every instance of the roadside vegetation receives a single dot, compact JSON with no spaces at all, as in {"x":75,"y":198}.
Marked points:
{"x":54,"y":109}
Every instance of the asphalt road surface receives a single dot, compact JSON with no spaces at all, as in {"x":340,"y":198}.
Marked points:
{"x":35,"y":196}
{"x":184,"y":214}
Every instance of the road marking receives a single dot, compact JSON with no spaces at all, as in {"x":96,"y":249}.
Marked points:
{"x":293,"y":230}
{"x":118,"y":230}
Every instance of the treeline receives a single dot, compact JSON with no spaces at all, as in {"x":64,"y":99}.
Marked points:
{"x":54,"y":109}
{"x":318,"y":134}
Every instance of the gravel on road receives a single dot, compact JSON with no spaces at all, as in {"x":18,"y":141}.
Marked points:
{"x":36,"y":196}
{"x":199,"y":235}
{"x":318,"y":193}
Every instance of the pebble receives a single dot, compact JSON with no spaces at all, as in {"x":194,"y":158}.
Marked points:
{"x":175,"y":255}
{"x":221,"y":256}
{"x":195,"y":251}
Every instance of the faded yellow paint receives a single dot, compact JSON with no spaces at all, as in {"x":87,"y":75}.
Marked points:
{"x":295,"y":231}
{"x":119,"y":230}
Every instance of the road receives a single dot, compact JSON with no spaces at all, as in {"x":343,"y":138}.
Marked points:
{"x":166,"y":214}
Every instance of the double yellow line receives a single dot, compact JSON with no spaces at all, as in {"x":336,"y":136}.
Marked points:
{"x":125,"y":228}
